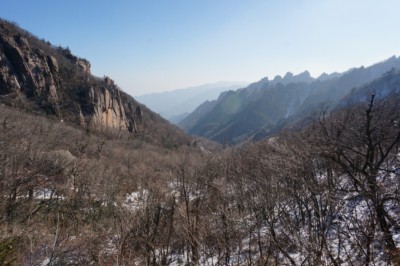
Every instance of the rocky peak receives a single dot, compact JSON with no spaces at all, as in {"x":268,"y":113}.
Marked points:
{"x":83,"y":65}
{"x":324,"y":76}
{"x":291,"y":78}
{"x":108,"y":81}
{"x":277,"y":79}
{"x":288,"y":76}
{"x":302,"y":77}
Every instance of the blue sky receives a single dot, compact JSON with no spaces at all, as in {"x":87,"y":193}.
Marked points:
{"x":158,"y":45}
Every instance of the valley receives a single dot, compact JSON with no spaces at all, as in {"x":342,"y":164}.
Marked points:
{"x":290,"y":171}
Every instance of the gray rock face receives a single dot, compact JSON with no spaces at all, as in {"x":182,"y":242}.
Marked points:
{"x":108,"y":110}
{"x":26,"y":72}
{"x":84,"y":66}
{"x":51,"y":79}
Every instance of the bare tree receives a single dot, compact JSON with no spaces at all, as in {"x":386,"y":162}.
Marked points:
{"x":363,"y":141}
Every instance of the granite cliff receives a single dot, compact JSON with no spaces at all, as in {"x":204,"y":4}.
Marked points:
{"x":39,"y":76}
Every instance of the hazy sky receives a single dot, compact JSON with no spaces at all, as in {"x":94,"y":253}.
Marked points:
{"x":157,"y":45}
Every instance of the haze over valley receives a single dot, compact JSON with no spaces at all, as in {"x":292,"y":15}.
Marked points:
{"x":176,"y":105}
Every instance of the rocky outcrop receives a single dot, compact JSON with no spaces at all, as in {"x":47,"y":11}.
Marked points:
{"x":108,"y":111}
{"x":84,"y":66}
{"x":54,"y":80}
{"x":26,"y":71}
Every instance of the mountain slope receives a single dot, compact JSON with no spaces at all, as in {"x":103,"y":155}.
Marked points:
{"x":38,"y":76}
{"x":175,"y":105}
{"x":265,"y":106}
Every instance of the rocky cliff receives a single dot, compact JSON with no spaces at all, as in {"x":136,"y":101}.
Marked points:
{"x":37,"y":75}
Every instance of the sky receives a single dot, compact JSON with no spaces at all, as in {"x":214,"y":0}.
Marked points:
{"x":158,"y":45}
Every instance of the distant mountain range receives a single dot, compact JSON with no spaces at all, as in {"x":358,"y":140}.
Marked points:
{"x":177,"y":104}
{"x":266,"y":106}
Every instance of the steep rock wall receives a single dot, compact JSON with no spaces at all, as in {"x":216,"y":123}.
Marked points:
{"x":60,"y":83}
{"x":28,"y":72}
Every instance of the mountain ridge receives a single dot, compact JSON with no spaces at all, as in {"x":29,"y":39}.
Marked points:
{"x":266,"y":104}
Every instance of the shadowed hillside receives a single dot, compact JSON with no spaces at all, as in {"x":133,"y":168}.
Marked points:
{"x":264,"y":107}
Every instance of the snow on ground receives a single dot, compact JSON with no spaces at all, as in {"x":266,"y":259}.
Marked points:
{"x":135,"y":200}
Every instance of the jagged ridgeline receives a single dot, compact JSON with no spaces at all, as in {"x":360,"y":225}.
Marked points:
{"x":265,"y":107}
{"x":38,"y":76}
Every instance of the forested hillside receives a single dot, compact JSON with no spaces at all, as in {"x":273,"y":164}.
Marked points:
{"x":327,"y":194}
